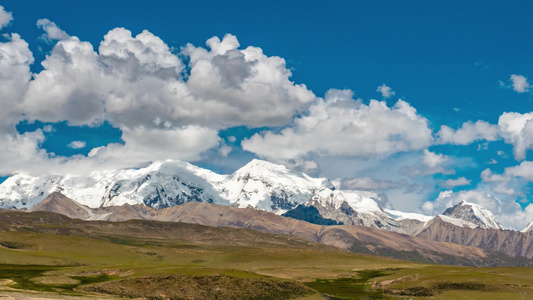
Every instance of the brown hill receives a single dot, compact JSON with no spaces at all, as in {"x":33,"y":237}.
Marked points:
{"x":510,"y":242}
{"x":356,"y":238}
{"x":58,"y":203}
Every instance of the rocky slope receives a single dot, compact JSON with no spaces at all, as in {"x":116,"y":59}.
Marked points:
{"x":510,"y":242}
{"x":473,"y":213}
{"x":259,"y":185}
{"x":355,"y":238}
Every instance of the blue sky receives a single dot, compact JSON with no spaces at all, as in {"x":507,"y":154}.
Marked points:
{"x":357,"y":91}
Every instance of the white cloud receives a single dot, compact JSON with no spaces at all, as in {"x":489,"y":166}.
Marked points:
{"x":433,"y":160}
{"x":70,"y":88}
{"x":242,"y":87}
{"x":501,"y":153}
{"x":342,"y":126}
{"x":224,"y":150}
{"x":468,"y":133}
{"x":517,"y":129}
{"x":138,"y":81}
{"x":371,"y":184}
{"x":431,"y":163}
{"x":520,"y":83}
{"x":147,"y":144}
{"x":77,"y":144}
{"x":524,"y":171}
{"x":21,"y":152}
{"x":451,"y":183}
{"x":385,"y":91}
{"x":15,"y":61}
{"x":5,"y":17}
{"x":51,"y":31}
{"x":137,"y":84}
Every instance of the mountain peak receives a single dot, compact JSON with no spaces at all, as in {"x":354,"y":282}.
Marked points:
{"x":529,"y":227}
{"x":57,"y":202}
{"x":473,"y":213}
{"x":258,"y":166}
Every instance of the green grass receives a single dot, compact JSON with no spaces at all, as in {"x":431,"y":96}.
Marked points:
{"x":102,"y":256}
{"x":356,"y":287}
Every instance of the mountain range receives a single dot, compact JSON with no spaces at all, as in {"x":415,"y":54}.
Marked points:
{"x":173,"y":190}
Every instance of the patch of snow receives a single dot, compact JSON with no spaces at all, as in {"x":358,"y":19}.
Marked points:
{"x":398,"y":215}
{"x":457,"y":222}
{"x":529,"y":227}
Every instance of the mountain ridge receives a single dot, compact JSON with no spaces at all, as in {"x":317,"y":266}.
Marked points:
{"x":259,"y":184}
{"x":355,"y":238}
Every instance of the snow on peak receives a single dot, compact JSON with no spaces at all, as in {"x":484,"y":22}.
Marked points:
{"x":360,"y":201}
{"x":399,"y":215}
{"x":457,"y":222}
{"x":161,"y":184}
{"x":473,"y":213}
{"x":267,"y":186}
{"x":529,"y":227}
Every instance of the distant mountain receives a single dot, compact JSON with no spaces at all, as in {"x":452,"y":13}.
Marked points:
{"x":356,"y":238}
{"x":258,"y":185}
{"x":159,"y":185}
{"x":510,"y":242}
{"x":58,"y":203}
{"x":529,"y":227}
{"x":349,"y":208}
{"x":270,"y":187}
{"x":473,"y":213}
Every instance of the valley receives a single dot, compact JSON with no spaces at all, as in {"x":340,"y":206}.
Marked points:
{"x":44,"y":253}
{"x":176,"y":231}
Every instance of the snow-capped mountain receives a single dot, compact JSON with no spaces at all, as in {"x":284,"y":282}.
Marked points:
{"x":259,"y":184}
{"x":350,"y":208}
{"x":473,"y":213}
{"x":528,"y":228}
{"x":271,"y":187}
{"x":162,"y":184}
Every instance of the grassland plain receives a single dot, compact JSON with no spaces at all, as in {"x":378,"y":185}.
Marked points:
{"x":55,"y":257}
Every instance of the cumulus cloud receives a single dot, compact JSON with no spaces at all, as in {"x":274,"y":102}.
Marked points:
{"x":77,"y":144}
{"x":341,"y":126}
{"x":51,"y":31}
{"x":242,"y":87}
{"x":385,"y":91}
{"x":523,"y":171}
{"x":137,"y":80}
{"x":139,"y":86}
{"x":21,"y":152}
{"x":224,"y":150}
{"x":69,"y":88}
{"x":15,"y":75}
{"x":371,"y":184}
{"x":468,"y":133}
{"x":148,"y":144}
{"x":48,"y":128}
{"x":520,"y":83}
{"x":5,"y":17}
{"x":432,"y":159}
{"x":451,"y":183}
{"x":430,"y":163}
{"x":517,"y":129}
